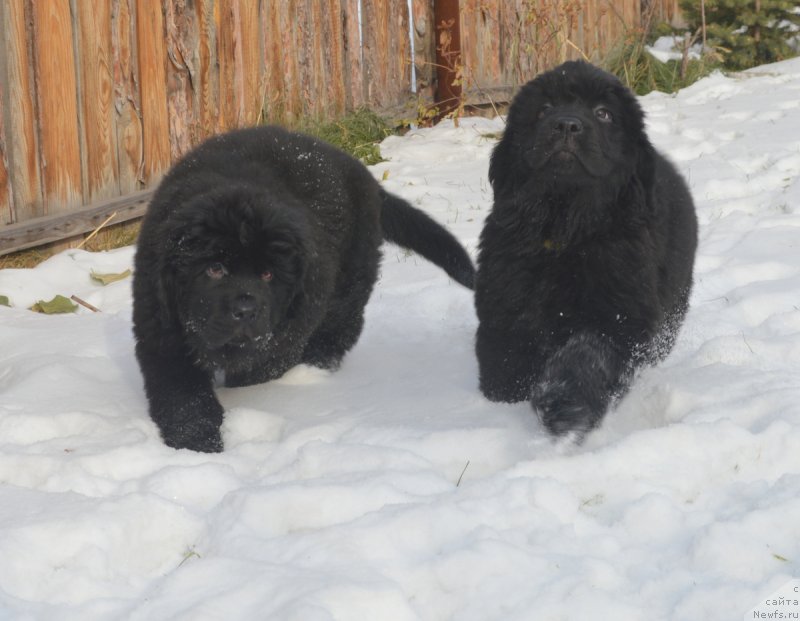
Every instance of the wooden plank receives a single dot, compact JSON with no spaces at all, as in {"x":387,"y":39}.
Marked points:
{"x":290,"y":31}
{"x":424,"y":33}
{"x":387,"y":51}
{"x":493,"y":96}
{"x":6,"y":205}
{"x":331,"y":54}
{"x":309,"y":70}
{"x":637,"y":15}
{"x":21,"y":153}
{"x":574,"y":41}
{"x":589,"y":32}
{"x":512,"y":38}
{"x":240,"y":61}
{"x":319,"y":52}
{"x":56,"y":93}
{"x":607,"y":21}
{"x":152,"y":57}
{"x":6,"y":194}
{"x":180,"y":22}
{"x":472,"y":50}
{"x":226,"y":59}
{"x":251,"y":71}
{"x":274,"y":76}
{"x":612,"y":16}
{"x":481,"y":44}
{"x":317,"y":103}
{"x":505,"y":43}
{"x":99,"y":148}
{"x":448,"y":55}
{"x":355,"y":79}
{"x":669,"y":11}
{"x":239,"y":57}
{"x":578,"y":34}
{"x":128,"y":122}
{"x":518,"y":51}
{"x":56,"y":227}
{"x":208,"y":74}
{"x":302,"y":50}
{"x":507,"y":34}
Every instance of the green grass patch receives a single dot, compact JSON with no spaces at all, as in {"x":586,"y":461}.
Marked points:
{"x":357,"y":133}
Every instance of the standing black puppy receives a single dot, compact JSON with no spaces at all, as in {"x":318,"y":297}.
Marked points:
{"x":258,"y":252}
{"x":585,"y":261}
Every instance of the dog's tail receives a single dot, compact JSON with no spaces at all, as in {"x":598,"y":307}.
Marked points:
{"x":413,"y":229}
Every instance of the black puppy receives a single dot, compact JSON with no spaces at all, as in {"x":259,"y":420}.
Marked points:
{"x":259,"y":251}
{"x":585,"y":261}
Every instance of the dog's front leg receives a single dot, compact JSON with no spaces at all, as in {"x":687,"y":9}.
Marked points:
{"x":182,"y":402}
{"x":578,"y":383}
{"x":506,"y":362}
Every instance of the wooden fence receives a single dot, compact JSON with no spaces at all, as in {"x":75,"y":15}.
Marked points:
{"x":506,"y":43}
{"x":98,"y":97}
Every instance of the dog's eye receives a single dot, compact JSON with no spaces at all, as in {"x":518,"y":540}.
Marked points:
{"x":216,"y":271}
{"x":604,"y":114}
{"x":544,"y":110}
{"x":266,"y":276}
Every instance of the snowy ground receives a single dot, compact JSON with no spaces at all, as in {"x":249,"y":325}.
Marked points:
{"x":391,"y":490}
{"x":672,"y":47}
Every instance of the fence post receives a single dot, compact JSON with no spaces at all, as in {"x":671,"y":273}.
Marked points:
{"x":447,"y":18}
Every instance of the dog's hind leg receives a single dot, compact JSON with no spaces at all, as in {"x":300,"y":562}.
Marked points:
{"x":336,"y":335}
{"x":506,"y":364}
{"x":578,"y":383}
{"x":339,"y":330}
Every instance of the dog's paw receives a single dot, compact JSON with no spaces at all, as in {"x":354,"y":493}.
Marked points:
{"x":564,"y":412}
{"x":194,"y":424}
{"x":504,"y":385}
{"x":578,"y":384}
{"x":201,"y":438}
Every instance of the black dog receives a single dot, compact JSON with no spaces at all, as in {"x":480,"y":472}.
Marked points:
{"x":258,"y":252}
{"x":585,"y":261}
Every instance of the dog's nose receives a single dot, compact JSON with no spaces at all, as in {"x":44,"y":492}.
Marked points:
{"x":244,"y":308}
{"x":568,"y":125}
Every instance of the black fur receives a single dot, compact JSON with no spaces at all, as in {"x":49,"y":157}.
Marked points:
{"x":585,"y":261}
{"x":259,"y":251}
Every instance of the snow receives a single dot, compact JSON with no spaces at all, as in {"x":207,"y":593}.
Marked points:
{"x":671,"y":48}
{"x":391,"y":489}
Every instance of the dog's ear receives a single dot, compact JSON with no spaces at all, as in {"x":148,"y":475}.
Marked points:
{"x":502,"y":162}
{"x":183,"y":237}
{"x":646,"y":170}
{"x":165,"y":277}
{"x":297,"y":302}
{"x":291,"y":253}
{"x":634,"y":125}
{"x":165,"y":283}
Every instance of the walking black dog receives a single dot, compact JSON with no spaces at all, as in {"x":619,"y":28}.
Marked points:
{"x":585,"y":261}
{"x":258,"y":252}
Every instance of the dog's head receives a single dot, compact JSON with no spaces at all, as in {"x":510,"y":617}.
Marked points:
{"x":234,"y":270}
{"x":574,"y":126}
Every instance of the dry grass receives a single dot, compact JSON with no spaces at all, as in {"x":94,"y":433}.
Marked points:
{"x":25,"y":258}
{"x":643,"y":73}
{"x":116,"y":236}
